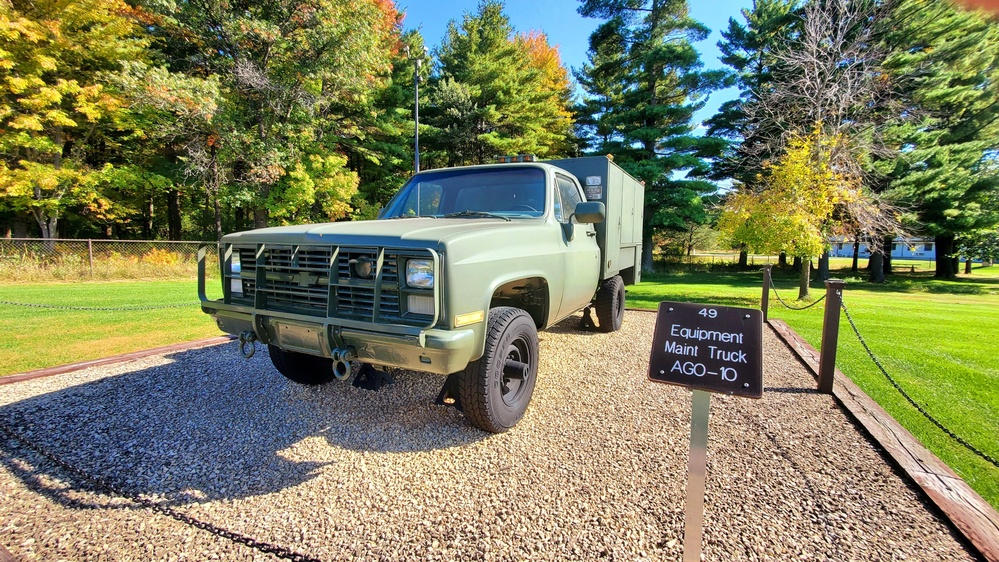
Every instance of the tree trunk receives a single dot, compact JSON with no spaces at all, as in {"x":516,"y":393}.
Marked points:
{"x":743,"y":258}
{"x":50,"y":231}
{"x":148,"y":226}
{"x":782,"y":260}
{"x":648,"y":266}
{"x":48,"y":227}
{"x":796,"y":264}
{"x":945,"y":264}
{"x":218,"y":219}
{"x":48,"y":221}
{"x":876,"y":267}
{"x":260,"y":216}
{"x":967,"y":266}
{"x":804,"y":278}
{"x":856,"y":256}
{"x":886,"y":254}
{"x":20,"y":226}
{"x":824,"y":266}
{"x":173,"y":215}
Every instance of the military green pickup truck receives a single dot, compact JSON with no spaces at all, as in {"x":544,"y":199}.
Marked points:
{"x":455,"y":277}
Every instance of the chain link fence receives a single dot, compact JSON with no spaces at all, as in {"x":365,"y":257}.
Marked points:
{"x":40,"y":260}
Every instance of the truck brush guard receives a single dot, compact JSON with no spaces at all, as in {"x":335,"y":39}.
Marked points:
{"x":365,"y":284}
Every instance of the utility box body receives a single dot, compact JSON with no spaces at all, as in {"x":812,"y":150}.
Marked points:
{"x":620,"y":234}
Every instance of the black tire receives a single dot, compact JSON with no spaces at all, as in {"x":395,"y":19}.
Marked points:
{"x":493,"y":395}
{"x":610,"y":304}
{"x":300,"y":367}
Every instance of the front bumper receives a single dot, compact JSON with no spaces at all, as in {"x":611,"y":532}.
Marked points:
{"x":392,"y":345}
{"x":436,"y":351}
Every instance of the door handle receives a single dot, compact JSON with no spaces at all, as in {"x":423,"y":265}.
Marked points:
{"x":591,"y":232}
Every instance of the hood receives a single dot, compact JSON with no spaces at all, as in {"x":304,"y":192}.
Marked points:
{"x":416,"y":232}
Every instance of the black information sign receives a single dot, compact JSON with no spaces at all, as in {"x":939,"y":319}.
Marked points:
{"x":706,"y":347}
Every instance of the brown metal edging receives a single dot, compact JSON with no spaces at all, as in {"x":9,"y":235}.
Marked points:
{"x":50,"y":371}
{"x":967,"y":512}
{"x":6,"y":556}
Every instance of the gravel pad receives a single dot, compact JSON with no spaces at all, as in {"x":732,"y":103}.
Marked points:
{"x":596,"y":469}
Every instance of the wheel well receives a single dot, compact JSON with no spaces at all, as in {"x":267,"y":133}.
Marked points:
{"x":530,"y":295}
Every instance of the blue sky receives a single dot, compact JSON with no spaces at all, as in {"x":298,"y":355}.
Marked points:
{"x":567,"y":29}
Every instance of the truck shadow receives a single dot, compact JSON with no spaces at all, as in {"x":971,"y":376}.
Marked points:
{"x":572,"y":325}
{"x":208,"y":425}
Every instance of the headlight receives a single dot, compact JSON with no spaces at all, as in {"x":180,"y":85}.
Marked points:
{"x":420,"y":274}
{"x":236,"y":284}
{"x":234,"y":261}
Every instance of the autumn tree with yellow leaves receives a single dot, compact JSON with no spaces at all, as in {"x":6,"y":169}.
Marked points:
{"x":55,"y":57}
{"x":800,"y":205}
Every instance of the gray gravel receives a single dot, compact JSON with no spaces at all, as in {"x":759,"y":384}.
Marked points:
{"x":596,"y":469}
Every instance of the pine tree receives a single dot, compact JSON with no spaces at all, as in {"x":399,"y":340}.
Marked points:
{"x":648,"y":83}
{"x":751,"y":49}
{"x":384,"y":157}
{"x":947,"y":62}
{"x":497,"y":93}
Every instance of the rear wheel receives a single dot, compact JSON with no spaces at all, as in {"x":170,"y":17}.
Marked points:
{"x":300,"y":367}
{"x":496,"y":389}
{"x":610,"y":304}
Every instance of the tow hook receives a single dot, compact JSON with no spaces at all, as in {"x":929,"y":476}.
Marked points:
{"x":246,"y":346}
{"x":341,"y":362}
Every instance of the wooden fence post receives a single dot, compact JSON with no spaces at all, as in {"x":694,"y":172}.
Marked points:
{"x":830,"y":334}
{"x":765,"y":300}
{"x":90,"y":254}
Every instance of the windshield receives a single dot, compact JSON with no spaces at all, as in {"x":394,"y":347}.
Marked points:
{"x":490,"y":192}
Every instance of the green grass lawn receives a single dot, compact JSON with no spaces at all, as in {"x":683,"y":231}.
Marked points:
{"x":934,"y":337}
{"x":33,"y":338}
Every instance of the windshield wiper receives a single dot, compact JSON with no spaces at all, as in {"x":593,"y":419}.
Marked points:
{"x":412,"y":217}
{"x":476,"y":214}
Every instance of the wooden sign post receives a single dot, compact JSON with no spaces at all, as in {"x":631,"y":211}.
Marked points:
{"x":707,"y":349}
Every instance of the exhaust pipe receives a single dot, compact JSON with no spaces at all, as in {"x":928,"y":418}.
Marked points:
{"x":342,"y":358}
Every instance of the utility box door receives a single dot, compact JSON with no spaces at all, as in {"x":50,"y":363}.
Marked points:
{"x":620,"y":235}
{"x":628,"y":218}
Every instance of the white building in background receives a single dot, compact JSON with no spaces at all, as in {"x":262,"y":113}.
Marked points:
{"x":913,"y":248}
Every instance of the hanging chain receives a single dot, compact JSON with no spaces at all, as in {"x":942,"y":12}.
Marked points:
{"x":908,"y":398}
{"x":792,"y":307}
{"x":102,"y":308}
{"x":104,"y":485}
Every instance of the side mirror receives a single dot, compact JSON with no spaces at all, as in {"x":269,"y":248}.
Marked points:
{"x":589,"y":212}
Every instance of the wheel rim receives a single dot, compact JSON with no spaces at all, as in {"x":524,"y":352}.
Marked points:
{"x":513,"y":387}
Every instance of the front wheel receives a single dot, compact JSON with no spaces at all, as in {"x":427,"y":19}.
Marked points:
{"x":610,"y":304}
{"x":496,"y":389}
{"x":300,"y":367}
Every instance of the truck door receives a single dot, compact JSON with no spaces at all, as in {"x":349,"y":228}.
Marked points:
{"x":582,"y":255}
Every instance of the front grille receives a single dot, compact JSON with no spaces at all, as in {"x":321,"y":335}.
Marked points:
{"x":306,"y":279}
{"x":356,"y":293}
{"x":297,"y":278}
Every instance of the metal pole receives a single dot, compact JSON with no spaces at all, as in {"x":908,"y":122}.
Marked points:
{"x":90,"y":253}
{"x":700,"y":406}
{"x":830,"y":334}
{"x":416,"y":113}
{"x":765,"y":300}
